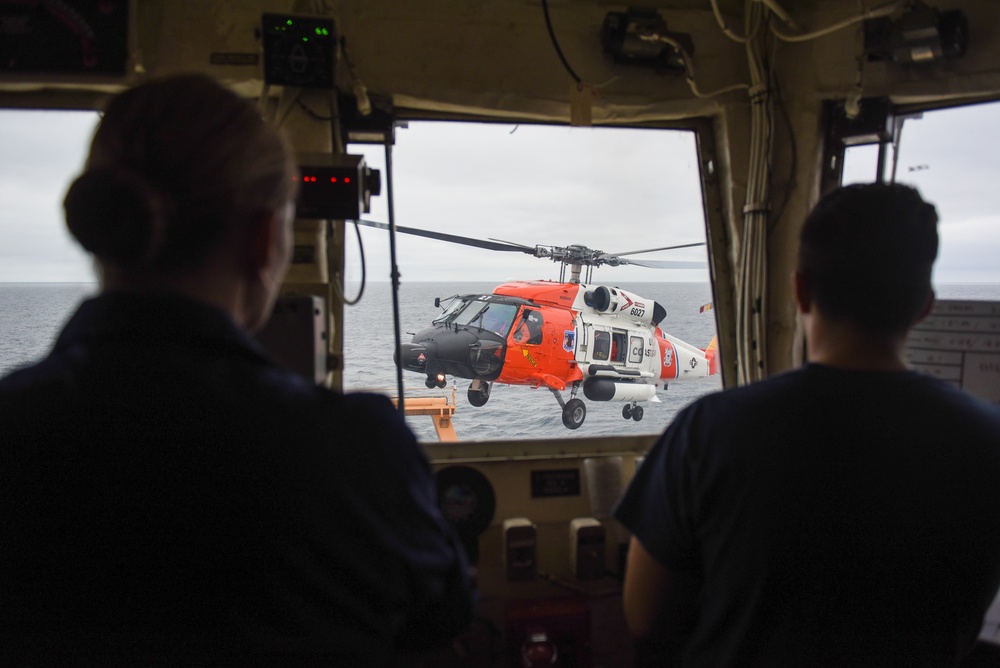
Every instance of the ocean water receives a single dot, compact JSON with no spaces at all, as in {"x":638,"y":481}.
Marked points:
{"x":32,"y":314}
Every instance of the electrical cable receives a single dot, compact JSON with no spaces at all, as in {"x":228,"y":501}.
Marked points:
{"x":878,"y":12}
{"x":312,"y":113}
{"x":689,"y":72}
{"x":337,"y":281}
{"x":338,"y":286}
{"x":794,"y":157}
{"x":555,"y":43}
{"x":358,"y":88}
{"x":286,"y":101}
{"x":780,"y":12}
{"x":262,"y":100}
{"x":751,"y":277}
{"x":722,"y":24}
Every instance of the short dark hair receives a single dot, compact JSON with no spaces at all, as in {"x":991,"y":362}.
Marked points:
{"x":178,"y":166}
{"x":867,"y":251}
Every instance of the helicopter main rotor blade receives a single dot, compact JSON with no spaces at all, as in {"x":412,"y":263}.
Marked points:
{"x":665,"y":264}
{"x":653,"y":250}
{"x":453,"y":238}
{"x":527,"y":249}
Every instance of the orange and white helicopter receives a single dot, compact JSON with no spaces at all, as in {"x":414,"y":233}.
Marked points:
{"x":561,"y":335}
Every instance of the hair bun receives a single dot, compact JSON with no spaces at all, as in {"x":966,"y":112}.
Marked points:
{"x":116,"y":215}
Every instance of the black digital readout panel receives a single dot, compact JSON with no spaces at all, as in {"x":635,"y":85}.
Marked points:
{"x":64,"y":37}
{"x":555,"y":482}
{"x":298,"y":50}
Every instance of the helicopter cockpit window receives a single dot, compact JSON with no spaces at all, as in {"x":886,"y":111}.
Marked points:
{"x":602,"y":346}
{"x":454,"y":308}
{"x":529,"y":328}
{"x":497,"y":318}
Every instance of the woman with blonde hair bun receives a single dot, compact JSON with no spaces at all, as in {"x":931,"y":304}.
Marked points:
{"x":169,"y":494}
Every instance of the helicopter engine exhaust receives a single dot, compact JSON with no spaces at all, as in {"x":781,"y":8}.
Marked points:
{"x":609,"y":389}
{"x":615,"y":301}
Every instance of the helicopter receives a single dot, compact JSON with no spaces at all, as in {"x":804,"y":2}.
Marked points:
{"x":561,"y":335}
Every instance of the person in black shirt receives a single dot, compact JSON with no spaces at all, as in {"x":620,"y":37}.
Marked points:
{"x":841,"y":514}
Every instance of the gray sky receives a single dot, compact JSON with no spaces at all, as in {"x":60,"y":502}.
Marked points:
{"x":42,"y":152}
{"x":948,"y":155}
{"x":613,"y":190}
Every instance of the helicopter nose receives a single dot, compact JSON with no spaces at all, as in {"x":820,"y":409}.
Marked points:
{"x":414,"y":356}
{"x":462,"y":353}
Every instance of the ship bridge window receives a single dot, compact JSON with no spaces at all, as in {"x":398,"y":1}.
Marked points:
{"x":43,"y":273}
{"x":939,"y":151}
{"x":529,"y":189}
{"x":43,"y":151}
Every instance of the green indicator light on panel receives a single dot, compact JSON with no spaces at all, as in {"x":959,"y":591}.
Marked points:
{"x":289,"y":22}
{"x":305,"y":39}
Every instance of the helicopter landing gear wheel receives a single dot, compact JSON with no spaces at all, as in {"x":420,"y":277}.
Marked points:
{"x":431,"y":382}
{"x":574,"y":413}
{"x":637,"y":413}
{"x":443,"y":383}
{"x":627,"y":411}
{"x":479,"y":393}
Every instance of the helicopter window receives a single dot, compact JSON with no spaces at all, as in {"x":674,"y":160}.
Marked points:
{"x":450,"y":313}
{"x":472,"y":314}
{"x":602,"y":345}
{"x":636,"y":345}
{"x":618,"y":347}
{"x":497,"y":318}
{"x":529,"y":328}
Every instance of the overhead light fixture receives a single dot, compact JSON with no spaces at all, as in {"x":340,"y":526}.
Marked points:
{"x":922,"y":35}
{"x":640,"y":37}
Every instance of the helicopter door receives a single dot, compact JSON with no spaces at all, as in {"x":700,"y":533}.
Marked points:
{"x":528,"y":330}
